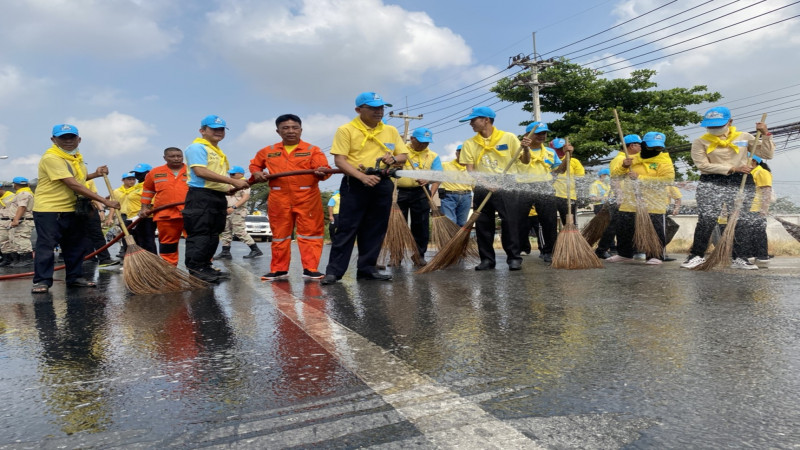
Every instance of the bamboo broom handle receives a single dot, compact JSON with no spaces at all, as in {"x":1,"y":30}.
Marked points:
{"x":569,"y":178}
{"x":119,"y":214}
{"x":621,"y":135}
{"x":758,"y":136}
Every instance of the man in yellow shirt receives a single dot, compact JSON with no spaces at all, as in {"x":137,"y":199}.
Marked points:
{"x":410,"y":195}
{"x":204,"y":212}
{"x":456,"y":198}
{"x":490,"y":151}
{"x":366,"y":200}
{"x":62,"y":177}
{"x":536,"y":174}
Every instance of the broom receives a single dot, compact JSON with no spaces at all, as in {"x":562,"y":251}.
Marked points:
{"x":571,"y":251}
{"x":645,"y":238}
{"x":442,"y":228}
{"x":148,"y":273}
{"x":458,"y":246}
{"x":398,"y":239}
{"x":593,"y":231}
{"x":723,"y":252}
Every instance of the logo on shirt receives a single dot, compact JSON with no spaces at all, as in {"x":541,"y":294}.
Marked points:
{"x":714,"y":115}
{"x":389,"y":145}
{"x":502,"y":147}
{"x":273,"y":155}
{"x":160,"y":175}
{"x":302,"y":154}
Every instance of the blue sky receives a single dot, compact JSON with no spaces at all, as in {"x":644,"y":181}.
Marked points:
{"x":137,"y":76}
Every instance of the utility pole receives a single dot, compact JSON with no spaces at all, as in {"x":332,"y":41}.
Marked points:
{"x":406,"y":119}
{"x":534,"y":65}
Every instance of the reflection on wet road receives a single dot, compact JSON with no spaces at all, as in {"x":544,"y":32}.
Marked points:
{"x":625,"y":356}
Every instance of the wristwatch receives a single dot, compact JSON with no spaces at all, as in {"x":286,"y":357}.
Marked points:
{"x":233,"y":207}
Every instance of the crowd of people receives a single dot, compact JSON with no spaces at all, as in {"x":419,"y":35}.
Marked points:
{"x":199,"y":195}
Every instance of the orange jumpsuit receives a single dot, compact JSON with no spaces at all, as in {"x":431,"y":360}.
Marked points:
{"x":293,"y":200}
{"x":161,"y":187}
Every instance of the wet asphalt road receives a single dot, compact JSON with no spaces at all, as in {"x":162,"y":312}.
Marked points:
{"x":627,"y":356}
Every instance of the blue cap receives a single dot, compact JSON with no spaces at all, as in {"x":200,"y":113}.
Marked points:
{"x":128,"y":175}
{"x":236,"y":169}
{"x":213,"y":121}
{"x":654,"y":139}
{"x":604,"y":172}
{"x":23,"y":180}
{"x":756,"y":158}
{"x":558,"y":143}
{"x":423,"y":135}
{"x":459,"y":147}
{"x":65,"y":128}
{"x":142,"y":168}
{"x":716,"y":117}
{"x":479,"y":111}
{"x":370,"y":99}
{"x":538,"y":127}
{"x":632,"y":139}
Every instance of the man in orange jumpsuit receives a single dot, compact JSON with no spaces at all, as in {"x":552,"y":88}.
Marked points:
{"x":163,"y":185}
{"x":293,"y":200}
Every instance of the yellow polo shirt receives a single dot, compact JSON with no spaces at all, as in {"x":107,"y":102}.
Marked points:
{"x":763,"y":178}
{"x":490,"y":155}
{"x":360,"y":148}
{"x":560,"y":184}
{"x":52,"y":195}
{"x":416,"y":161}
{"x":454,"y":166}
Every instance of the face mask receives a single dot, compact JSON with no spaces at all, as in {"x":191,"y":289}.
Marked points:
{"x":73,"y":152}
{"x":718,"y":131}
{"x":650,"y":152}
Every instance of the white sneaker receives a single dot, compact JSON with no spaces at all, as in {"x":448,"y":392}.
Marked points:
{"x":693,"y":261}
{"x":617,"y":258}
{"x":654,"y":261}
{"x":741,"y":263}
{"x":762,"y":260}
{"x":639,"y":256}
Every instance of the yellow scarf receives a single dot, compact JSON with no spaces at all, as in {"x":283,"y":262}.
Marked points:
{"x":7,"y":195}
{"x":493,"y":140}
{"x":25,"y":189}
{"x":716,"y":141}
{"x":369,"y":135}
{"x":421,"y":165}
{"x":126,"y":191}
{"x":76,"y":161}
{"x":216,"y":150}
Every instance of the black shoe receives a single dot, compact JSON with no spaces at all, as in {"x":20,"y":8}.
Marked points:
{"x":221,"y":274}
{"x":667,"y":258}
{"x":207,"y":274}
{"x":515,"y":264}
{"x":485,"y":265}
{"x":547,"y":257}
{"x":254,"y":252}
{"x":272,"y":276}
{"x":312,"y":274}
{"x":329,"y":279}
{"x":603,"y":254}
{"x":373,"y":276}
{"x":81,"y":282}
{"x":108,"y":262}
{"x":223,"y":255}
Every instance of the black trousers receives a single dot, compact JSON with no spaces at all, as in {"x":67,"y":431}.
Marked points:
{"x":94,"y":231}
{"x":626,"y":227}
{"x":561,"y":205}
{"x":509,"y":206}
{"x":204,"y":217}
{"x":531,"y":224}
{"x":607,"y":242}
{"x":363,"y":217}
{"x":541,"y":197}
{"x":714,"y":191}
{"x":67,"y":230}
{"x":414,"y":203}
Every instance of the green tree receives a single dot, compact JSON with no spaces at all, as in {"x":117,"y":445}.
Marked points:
{"x":784,"y":205}
{"x":586,"y":102}
{"x":259,"y":193}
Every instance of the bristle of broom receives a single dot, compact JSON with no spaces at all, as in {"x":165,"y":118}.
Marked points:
{"x":724,"y":250}
{"x":455,"y":250}
{"x":571,"y":251}
{"x":148,"y":273}
{"x":442,"y":229}
{"x":399,"y":242}
{"x":593,"y":231}
{"x":645,"y":238}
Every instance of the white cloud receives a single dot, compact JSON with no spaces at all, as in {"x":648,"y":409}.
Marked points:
{"x":318,"y":129}
{"x":357,"y":45}
{"x":15,"y":85}
{"x":115,"y":135}
{"x":119,"y":29}
{"x":14,"y":167}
